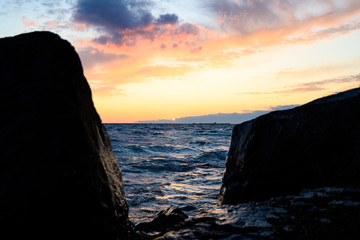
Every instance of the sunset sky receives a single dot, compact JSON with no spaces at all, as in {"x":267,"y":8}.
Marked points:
{"x":149,"y":60}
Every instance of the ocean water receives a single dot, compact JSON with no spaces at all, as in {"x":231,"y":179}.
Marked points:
{"x":167,"y":165}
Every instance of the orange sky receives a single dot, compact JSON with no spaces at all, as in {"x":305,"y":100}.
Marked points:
{"x":153,"y":60}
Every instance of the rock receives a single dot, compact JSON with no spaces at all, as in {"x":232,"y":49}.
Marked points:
{"x":165,"y":220}
{"x":328,"y":213}
{"x":58,"y":174}
{"x":323,"y":213}
{"x":314,"y":145}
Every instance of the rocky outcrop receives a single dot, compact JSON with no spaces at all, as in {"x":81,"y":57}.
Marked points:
{"x":322,"y":213}
{"x":58,"y":174}
{"x":315,"y":145}
{"x":165,"y":221}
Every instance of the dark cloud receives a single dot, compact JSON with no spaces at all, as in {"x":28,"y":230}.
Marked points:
{"x":126,"y":21}
{"x":114,"y":37}
{"x":114,"y":15}
{"x":167,"y":19}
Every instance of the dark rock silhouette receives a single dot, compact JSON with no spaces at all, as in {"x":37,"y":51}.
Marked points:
{"x":166,"y":220}
{"x":315,"y":145}
{"x":58,"y":174}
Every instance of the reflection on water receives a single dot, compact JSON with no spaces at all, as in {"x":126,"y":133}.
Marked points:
{"x":170,"y":164}
{"x":166,"y":165}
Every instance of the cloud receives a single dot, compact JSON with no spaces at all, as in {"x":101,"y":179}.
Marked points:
{"x":259,"y":24}
{"x":101,"y":89}
{"x":28,"y":23}
{"x":90,"y":57}
{"x":187,"y":28}
{"x":310,"y":86}
{"x":327,"y":33}
{"x":194,"y":48}
{"x":197,"y":49}
{"x":126,"y":22}
{"x":120,"y":19}
{"x":167,"y":19}
{"x":114,"y":15}
{"x":251,"y":16}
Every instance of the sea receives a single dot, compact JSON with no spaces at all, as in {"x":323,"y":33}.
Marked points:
{"x":167,"y":165}
{"x":181,"y":166}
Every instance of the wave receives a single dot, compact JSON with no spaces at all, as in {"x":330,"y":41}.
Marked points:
{"x":161,"y":148}
{"x":212,"y":155}
{"x":164,"y":166}
{"x":169,"y":164}
{"x":136,"y":148}
{"x":199,"y":142}
{"x":205,"y":165}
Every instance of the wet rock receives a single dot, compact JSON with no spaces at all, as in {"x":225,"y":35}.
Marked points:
{"x":165,"y":220}
{"x":325,"y":213}
{"x":245,"y":222}
{"x":58,"y":175}
{"x":282,"y":152}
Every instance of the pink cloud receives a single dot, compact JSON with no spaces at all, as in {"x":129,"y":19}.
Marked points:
{"x":28,"y":23}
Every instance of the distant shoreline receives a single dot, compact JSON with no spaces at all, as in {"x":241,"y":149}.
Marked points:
{"x":174,"y":123}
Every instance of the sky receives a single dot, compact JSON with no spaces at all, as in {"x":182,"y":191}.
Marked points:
{"x":148,"y":59}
